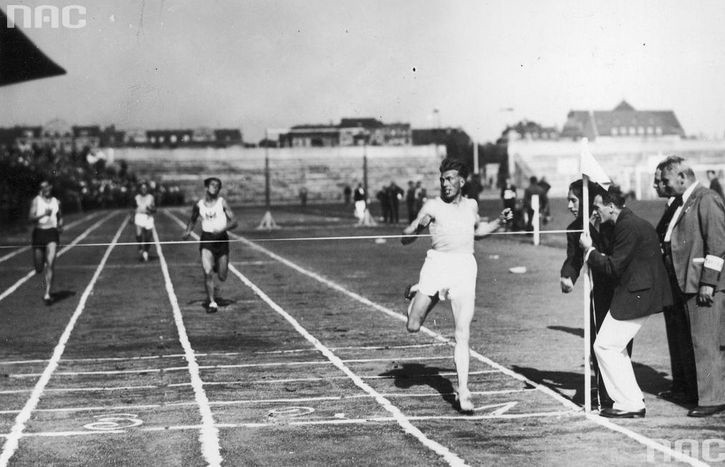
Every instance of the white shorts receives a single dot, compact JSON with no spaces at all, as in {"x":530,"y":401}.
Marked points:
{"x":450,"y":275}
{"x":144,"y":221}
{"x":360,"y":209}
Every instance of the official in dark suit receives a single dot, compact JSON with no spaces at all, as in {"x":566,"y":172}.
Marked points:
{"x":677,"y":323}
{"x":641,"y":289}
{"x":697,"y":243}
{"x":602,"y":285}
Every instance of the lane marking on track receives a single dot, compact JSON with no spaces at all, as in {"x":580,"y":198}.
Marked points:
{"x":226,"y":354}
{"x":208,"y":433}
{"x":545,"y":389}
{"x":237,"y":382}
{"x":75,"y":241}
{"x":353,"y":347}
{"x":450,"y":457}
{"x":12,"y":440}
{"x":67,"y":227}
{"x":291,"y":400}
{"x":230,"y":366}
{"x":262,"y":401}
{"x":330,"y":421}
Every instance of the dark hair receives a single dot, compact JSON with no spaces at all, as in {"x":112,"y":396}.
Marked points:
{"x":454,"y":164}
{"x":595,"y":189}
{"x":614,"y":196}
{"x":533,"y":180}
{"x":208,"y":181}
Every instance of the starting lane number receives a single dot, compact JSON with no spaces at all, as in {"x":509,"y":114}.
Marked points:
{"x":114,"y":422}
{"x":290,"y":412}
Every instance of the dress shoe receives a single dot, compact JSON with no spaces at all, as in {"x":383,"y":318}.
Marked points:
{"x":616,"y":413}
{"x":677,"y":397}
{"x":705,"y":410}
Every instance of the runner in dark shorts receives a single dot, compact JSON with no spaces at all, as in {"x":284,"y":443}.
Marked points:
{"x":216,"y":219}
{"x":217,"y":244}
{"x":45,"y":215}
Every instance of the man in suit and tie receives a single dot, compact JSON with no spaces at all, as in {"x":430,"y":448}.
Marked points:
{"x":677,"y":324}
{"x":696,"y":236}
{"x":641,"y":289}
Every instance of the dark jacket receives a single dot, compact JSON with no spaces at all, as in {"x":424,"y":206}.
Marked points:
{"x":602,"y":285}
{"x":642,"y":287}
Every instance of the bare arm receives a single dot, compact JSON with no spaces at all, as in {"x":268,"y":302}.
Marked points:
{"x":33,"y":217}
{"x":59,"y":217}
{"x":192,"y":221}
{"x":424,"y":219}
{"x":231,"y":220}
{"x":483,"y":229}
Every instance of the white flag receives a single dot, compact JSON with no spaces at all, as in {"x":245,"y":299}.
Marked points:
{"x":591,"y":168}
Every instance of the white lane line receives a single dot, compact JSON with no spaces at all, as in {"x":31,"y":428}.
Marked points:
{"x":225,"y":354}
{"x":444,"y":452}
{"x":545,"y":389}
{"x":330,"y":421}
{"x":291,"y":400}
{"x":369,"y":347}
{"x":75,"y":241}
{"x":69,"y":226}
{"x":229,"y":366}
{"x":88,"y":409}
{"x":11,"y":442}
{"x":238,"y":382}
{"x":450,"y":457}
{"x":208,"y":434}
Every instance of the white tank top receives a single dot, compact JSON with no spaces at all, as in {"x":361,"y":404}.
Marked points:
{"x":213,"y":219}
{"x":47,"y":222}
{"x":453,"y":225}
{"x":143,"y":202}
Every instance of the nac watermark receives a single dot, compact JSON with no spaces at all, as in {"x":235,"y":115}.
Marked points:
{"x":46,"y":16}
{"x":709,"y":450}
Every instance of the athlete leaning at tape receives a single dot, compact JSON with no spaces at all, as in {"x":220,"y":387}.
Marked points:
{"x":143,"y":219}
{"x":216,"y":219}
{"x":449,"y":271}
{"x":46,"y":216}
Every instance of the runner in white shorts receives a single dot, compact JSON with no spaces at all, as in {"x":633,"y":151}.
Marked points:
{"x":449,"y":271}
{"x":143,"y":220}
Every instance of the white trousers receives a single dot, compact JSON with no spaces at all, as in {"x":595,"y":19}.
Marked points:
{"x":614,"y":363}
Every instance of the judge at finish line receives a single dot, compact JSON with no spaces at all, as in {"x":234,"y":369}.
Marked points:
{"x":641,"y":289}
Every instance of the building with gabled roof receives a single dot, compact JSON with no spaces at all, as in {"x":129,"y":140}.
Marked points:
{"x":624,"y":121}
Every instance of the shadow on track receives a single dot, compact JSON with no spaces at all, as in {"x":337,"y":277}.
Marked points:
{"x":417,"y":374}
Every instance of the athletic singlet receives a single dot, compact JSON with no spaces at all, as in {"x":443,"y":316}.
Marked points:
{"x":453,"y":225}
{"x":143,"y":202}
{"x":213,"y":219}
{"x":47,"y":222}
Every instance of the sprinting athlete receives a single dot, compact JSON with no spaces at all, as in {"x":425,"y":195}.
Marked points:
{"x":216,"y":219}
{"x":143,"y":220}
{"x":449,"y":271}
{"x":47,"y":219}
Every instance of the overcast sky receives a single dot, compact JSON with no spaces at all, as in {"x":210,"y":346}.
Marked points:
{"x":272,"y":64}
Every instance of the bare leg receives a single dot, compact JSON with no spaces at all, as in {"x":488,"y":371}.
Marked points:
{"x":49,"y":267}
{"x":139,"y":239}
{"x":207,"y":264}
{"x":463,"y":315}
{"x":419,"y":308}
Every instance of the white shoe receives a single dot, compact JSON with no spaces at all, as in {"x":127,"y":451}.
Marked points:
{"x":145,"y":255}
{"x":464,"y":401}
{"x":212,"y":308}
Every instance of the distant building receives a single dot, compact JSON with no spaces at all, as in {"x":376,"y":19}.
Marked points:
{"x":135,"y":137}
{"x":526,"y":129}
{"x":311,"y":136}
{"x":169,"y":138}
{"x":622,"y":122}
{"x":224,"y":137}
{"x":86,"y":137}
{"x":349,"y":132}
{"x":112,"y":138}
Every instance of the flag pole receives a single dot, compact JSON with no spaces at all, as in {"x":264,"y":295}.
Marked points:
{"x":587,"y":288}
